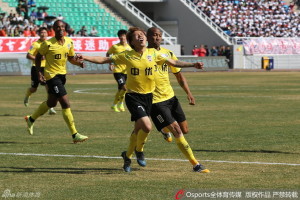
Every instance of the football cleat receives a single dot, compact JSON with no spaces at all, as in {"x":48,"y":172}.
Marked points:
{"x":127,"y":162}
{"x":167,"y":136}
{"x":52,"y":111}
{"x":115,"y":108}
{"x":29,"y":125}
{"x":26,"y":101}
{"x":140,"y":158}
{"x":200,"y":168}
{"x":121,"y":107}
{"x":79,"y":138}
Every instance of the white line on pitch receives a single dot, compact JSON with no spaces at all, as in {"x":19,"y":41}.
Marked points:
{"x":161,"y":159}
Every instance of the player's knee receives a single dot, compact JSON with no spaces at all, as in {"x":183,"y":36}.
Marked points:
{"x":185,"y":130}
{"x":176,"y":130}
{"x":147,"y":128}
{"x":33,"y":90}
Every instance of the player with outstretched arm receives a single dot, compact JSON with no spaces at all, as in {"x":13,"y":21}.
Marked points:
{"x":140,"y":64}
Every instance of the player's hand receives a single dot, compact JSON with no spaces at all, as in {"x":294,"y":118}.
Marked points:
{"x":82,"y":64}
{"x":42,"y":79}
{"x":43,"y":58}
{"x":79,"y":57}
{"x":111,"y":67}
{"x":191,"y":99}
{"x":199,"y":65}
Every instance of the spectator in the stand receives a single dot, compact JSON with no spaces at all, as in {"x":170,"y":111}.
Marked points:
{"x":213,"y":51}
{"x":227,"y":53}
{"x":26,"y":32}
{"x":82,"y":32}
{"x":33,"y":15}
{"x":3,"y":32}
{"x":94,"y":32}
{"x":50,"y":31}
{"x":44,"y":14}
{"x":39,"y":15}
{"x":207,"y":50}
{"x":31,"y":3}
{"x":33,"y":32}
{"x":16,"y":32}
{"x":20,"y":18}
{"x":181,"y":50}
{"x":221,"y":51}
{"x":60,"y":17}
{"x":202,"y":51}
{"x":195,"y":51}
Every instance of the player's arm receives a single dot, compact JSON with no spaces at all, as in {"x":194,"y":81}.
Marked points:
{"x":30,"y":57}
{"x":97,"y":59}
{"x":38,"y":60}
{"x":183,"y":83}
{"x":111,"y":66}
{"x":75,"y":60}
{"x":182,"y":64}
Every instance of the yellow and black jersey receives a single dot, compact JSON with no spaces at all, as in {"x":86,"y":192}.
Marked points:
{"x":140,"y":69}
{"x":34,"y":50}
{"x":56,"y":56}
{"x":115,"y":49}
{"x":163,"y":89}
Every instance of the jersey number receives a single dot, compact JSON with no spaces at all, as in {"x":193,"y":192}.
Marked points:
{"x":57,"y":56}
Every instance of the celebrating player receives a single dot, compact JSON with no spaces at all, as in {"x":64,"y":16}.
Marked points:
{"x":34,"y":76}
{"x":57,"y":51}
{"x":140,"y":65}
{"x":119,"y":71}
{"x":166,"y":112}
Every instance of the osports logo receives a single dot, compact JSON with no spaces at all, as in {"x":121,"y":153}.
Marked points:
{"x":179,"y":194}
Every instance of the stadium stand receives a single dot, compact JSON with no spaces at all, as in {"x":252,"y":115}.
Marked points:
{"x":77,"y":14}
{"x":252,"y":18}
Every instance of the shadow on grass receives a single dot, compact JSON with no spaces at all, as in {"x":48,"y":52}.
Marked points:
{"x":60,"y":170}
{"x":12,"y":142}
{"x":245,"y":151}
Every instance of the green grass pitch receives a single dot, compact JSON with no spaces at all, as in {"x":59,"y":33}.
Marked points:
{"x":250,"y":119}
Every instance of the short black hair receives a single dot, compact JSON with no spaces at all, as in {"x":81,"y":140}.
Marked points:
{"x":42,"y":29}
{"x":121,"y":32}
{"x":56,"y":23}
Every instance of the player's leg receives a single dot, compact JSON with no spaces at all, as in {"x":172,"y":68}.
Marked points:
{"x":139,"y":106}
{"x":185,"y":148}
{"x":122,"y":91}
{"x":161,"y":118}
{"x":34,"y":86}
{"x":51,"y":110}
{"x":114,"y":106}
{"x":58,"y":89}
{"x":181,"y":142}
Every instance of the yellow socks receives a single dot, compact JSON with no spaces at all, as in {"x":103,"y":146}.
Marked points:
{"x":121,"y":95}
{"x":186,"y":150}
{"x":42,"y":109}
{"x":116,"y":98}
{"x":68,"y":117}
{"x":141,"y":139}
{"x":132,"y":145}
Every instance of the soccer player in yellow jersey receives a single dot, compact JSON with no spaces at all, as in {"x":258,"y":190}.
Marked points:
{"x":166,"y":112}
{"x":119,"y":71}
{"x":57,"y":51}
{"x":140,"y":66}
{"x":34,"y":76}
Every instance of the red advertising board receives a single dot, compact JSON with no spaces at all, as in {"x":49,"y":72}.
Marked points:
{"x":81,"y":44}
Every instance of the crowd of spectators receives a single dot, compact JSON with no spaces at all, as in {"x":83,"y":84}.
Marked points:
{"x":203,"y":51}
{"x":22,"y":22}
{"x":253,"y":18}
